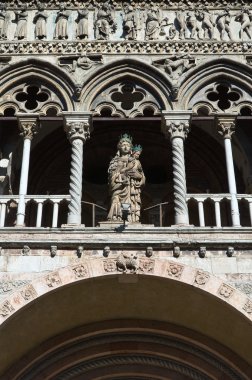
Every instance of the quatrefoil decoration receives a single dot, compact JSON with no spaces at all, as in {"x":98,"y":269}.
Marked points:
{"x":224,"y":96}
{"x":32,"y":96}
{"x":127,"y":96}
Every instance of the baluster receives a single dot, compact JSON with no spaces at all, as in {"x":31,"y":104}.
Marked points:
{"x":2,"y":215}
{"x":39,"y":214}
{"x":250,"y":212}
{"x":55,"y":214}
{"x":201,"y":214}
{"x":217,"y":213}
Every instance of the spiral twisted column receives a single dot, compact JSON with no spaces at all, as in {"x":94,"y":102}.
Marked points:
{"x":176,"y":127}
{"x":77,"y":127}
{"x":28,"y":125}
{"x":226,"y":128}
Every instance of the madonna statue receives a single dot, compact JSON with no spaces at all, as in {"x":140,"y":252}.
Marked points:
{"x":126,"y":179}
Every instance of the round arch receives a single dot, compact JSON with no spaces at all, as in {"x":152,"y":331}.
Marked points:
{"x":211,"y":71}
{"x":39,"y":71}
{"x":194,"y":305}
{"x":135,"y":70}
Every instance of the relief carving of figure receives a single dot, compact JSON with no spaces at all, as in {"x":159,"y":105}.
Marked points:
{"x":61,"y":27}
{"x":192,"y":22}
{"x":126,"y":179}
{"x":130,"y":23}
{"x":181,"y":21}
{"x":39,"y":20}
{"x":152,"y":24}
{"x":104,"y":23}
{"x":3,"y":24}
{"x":176,"y":65}
{"x":223,"y":22}
{"x":82,"y":24}
{"x":21,"y":20}
{"x":245,"y":18}
{"x":208,"y":23}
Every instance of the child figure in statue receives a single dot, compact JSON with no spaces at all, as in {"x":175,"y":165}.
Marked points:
{"x":126,"y":179}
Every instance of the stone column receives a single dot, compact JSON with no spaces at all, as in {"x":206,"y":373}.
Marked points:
{"x":28,"y":125}
{"x":226,"y":127}
{"x":78,"y":127}
{"x":175,"y":126}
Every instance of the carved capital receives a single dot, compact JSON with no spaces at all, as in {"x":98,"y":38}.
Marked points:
{"x":28,"y":125}
{"x":78,"y":125}
{"x":176,"y":124}
{"x":77,"y":130}
{"x":226,"y":125}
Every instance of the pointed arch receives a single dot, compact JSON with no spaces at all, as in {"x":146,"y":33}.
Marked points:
{"x":212,"y":71}
{"x":39,"y":72}
{"x":136,"y":71}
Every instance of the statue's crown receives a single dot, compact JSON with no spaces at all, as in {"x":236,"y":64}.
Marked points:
{"x":126,"y":137}
{"x":137,"y":148}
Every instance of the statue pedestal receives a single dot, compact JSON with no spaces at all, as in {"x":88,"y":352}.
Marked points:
{"x":120,"y":225}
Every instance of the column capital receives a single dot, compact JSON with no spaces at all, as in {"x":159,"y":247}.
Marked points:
{"x":176,"y":123}
{"x":226,"y":125}
{"x":77,"y":125}
{"x":28,"y":125}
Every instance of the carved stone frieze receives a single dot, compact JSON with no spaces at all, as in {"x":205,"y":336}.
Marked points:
{"x":109,"y":266}
{"x":248,"y":307}
{"x":120,"y":47}
{"x":28,"y":293}
{"x":9,"y":286}
{"x":225,"y":291}
{"x":146,"y":266}
{"x":53,"y":280}
{"x":83,"y":62}
{"x":127,"y":263}
{"x":201,"y":278}
{"x":176,"y":65}
{"x":175,"y":270}
{"x":6,"y":309}
{"x":81,"y":271}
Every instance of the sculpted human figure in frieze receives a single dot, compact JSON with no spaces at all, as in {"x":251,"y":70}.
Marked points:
{"x":21,"y":20}
{"x":130,"y":23}
{"x":61,"y":27}
{"x":39,"y":20}
{"x":245,"y":18}
{"x":223,"y":22}
{"x":152,"y":24}
{"x":126,"y":179}
{"x":208,"y":22}
{"x":181,"y":21}
{"x":3,"y":25}
{"x":82,"y":24}
{"x":104,"y":23}
{"x":192,"y":22}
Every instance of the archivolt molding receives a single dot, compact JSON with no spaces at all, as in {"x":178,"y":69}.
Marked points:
{"x":212,"y":72}
{"x":132,"y":70}
{"x":92,"y":268}
{"x":40,"y":73}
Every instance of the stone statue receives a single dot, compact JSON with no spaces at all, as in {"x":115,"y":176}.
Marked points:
{"x":208,"y":23}
{"x":104,"y":23}
{"x":126,"y":179}
{"x":21,"y":20}
{"x":192,"y":22}
{"x":223,"y":22}
{"x":40,"y":22}
{"x":61,"y":28}
{"x":245,"y":18}
{"x":82,"y":25}
{"x":152,"y":25}
{"x":130,"y":23}
{"x":3,"y":25}
{"x":181,"y":21}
